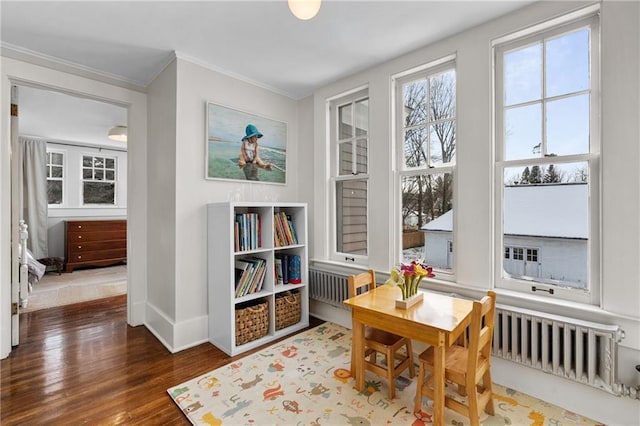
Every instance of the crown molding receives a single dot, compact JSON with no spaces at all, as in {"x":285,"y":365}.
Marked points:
{"x":26,"y":55}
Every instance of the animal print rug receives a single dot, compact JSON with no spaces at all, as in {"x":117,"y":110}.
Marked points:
{"x":305,"y":380}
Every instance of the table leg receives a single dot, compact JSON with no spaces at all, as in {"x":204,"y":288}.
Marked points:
{"x":438,"y":381}
{"x":357,"y":346}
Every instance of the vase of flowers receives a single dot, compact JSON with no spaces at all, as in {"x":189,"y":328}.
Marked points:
{"x":408,"y":278}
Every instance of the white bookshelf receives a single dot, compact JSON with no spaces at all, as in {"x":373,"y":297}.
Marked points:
{"x":221,"y":280}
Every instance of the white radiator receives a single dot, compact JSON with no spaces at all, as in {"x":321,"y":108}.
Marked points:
{"x":581,"y":351}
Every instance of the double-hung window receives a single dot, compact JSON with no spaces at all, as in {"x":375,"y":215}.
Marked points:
{"x":55,"y":178}
{"x":547,"y":160}
{"x":350,"y":175}
{"x":426,"y":155}
{"x":98,"y":180}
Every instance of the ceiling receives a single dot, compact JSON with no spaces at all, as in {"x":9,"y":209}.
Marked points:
{"x":257,"y":41}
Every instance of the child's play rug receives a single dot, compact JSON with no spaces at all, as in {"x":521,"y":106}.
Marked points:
{"x":305,"y":380}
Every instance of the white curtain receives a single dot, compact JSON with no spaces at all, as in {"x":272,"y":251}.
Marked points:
{"x":34,"y":194}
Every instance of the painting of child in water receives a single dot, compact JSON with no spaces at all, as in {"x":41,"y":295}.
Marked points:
{"x":244,"y":146}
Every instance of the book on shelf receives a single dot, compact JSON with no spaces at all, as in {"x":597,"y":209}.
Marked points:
{"x":278,"y":270}
{"x":252,"y":278}
{"x":284,"y":231}
{"x":248,"y":234}
{"x":284,"y":261}
{"x":295,"y":276}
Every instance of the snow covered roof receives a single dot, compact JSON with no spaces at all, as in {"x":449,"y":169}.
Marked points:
{"x":537,"y":210}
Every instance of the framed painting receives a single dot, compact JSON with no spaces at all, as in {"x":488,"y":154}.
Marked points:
{"x":245,"y":147}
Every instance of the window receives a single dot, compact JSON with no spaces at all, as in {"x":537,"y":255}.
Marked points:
{"x":547,"y":155}
{"x":98,"y":180}
{"x":350,"y":142}
{"x":426,"y":153}
{"x":55,"y":178}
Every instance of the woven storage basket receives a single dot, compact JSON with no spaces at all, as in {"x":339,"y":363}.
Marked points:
{"x":252,"y":323}
{"x":287,"y":309}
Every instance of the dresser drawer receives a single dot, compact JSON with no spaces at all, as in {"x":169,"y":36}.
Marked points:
{"x":74,"y":236}
{"x":97,"y":225}
{"x":85,"y":246}
{"x":97,"y":255}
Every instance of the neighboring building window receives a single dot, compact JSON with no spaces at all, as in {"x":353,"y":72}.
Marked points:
{"x":55,"y":177}
{"x":547,"y":151}
{"x":98,"y":180}
{"x":426,"y":122}
{"x":350,"y":174}
{"x":506,"y":252}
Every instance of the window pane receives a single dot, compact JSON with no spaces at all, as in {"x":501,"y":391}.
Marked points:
{"x":87,"y":161}
{"x":361,"y":160}
{"x":87,"y":174}
{"x":442,"y":138}
{"x":567,"y":52}
{"x":546,"y":212}
{"x":523,"y":75}
{"x":362,"y":117}
{"x":345,"y":158}
{"x":442,"y":96}
{"x":110,"y":163}
{"x":415,"y":147}
{"x":56,"y":171}
{"x":351,"y":217}
{"x":54,"y":191}
{"x":523,"y":132}
{"x":109,"y":175}
{"x":98,"y":162}
{"x":98,"y":174}
{"x":345,"y":121}
{"x":568,"y":126}
{"x":427,"y":208}
{"x":56,"y":158}
{"x":415,"y":103}
{"x":98,"y":193}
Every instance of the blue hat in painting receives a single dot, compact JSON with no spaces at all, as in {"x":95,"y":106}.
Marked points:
{"x":250,"y":131}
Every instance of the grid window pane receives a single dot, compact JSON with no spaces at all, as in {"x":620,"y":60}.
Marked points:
{"x":110,"y":163}
{"x":442,"y":138}
{"x":427,"y":208}
{"x":56,"y":158}
{"x":442,"y":96}
{"x":567,"y":52}
{"x":87,"y":174}
{"x":415,"y":147}
{"x":568,"y":126}
{"x":415,"y":103}
{"x":54,"y":192}
{"x":345,"y":122}
{"x":56,"y":171}
{"x":523,"y":75}
{"x":345,"y":158}
{"x":523,"y":132}
{"x":98,"y":193}
{"x":351,"y":216}
{"x":361,"y":159}
{"x":362,"y":117}
{"x":87,"y":161}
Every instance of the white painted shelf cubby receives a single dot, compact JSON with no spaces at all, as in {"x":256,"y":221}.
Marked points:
{"x":221,"y":275}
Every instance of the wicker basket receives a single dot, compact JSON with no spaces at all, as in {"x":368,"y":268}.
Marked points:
{"x":288,"y":309}
{"x":252,"y":322}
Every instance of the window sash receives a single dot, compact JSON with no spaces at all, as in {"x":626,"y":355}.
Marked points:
{"x":591,"y":294}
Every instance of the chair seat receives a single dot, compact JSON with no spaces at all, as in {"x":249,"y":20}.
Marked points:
{"x":380,"y":336}
{"x":455,"y":362}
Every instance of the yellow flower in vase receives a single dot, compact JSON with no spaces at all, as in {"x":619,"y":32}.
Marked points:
{"x":408,"y":277}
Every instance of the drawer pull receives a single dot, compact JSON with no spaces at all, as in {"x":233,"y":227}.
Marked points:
{"x":79,"y":237}
{"x":79,"y":257}
{"x":79,"y":226}
{"x":79,"y":246}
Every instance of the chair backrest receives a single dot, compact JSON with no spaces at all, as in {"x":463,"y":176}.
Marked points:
{"x":365,"y":279}
{"x":481,"y":329}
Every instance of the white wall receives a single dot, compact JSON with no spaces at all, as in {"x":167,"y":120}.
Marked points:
{"x":14,"y":71}
{"x":178,"y":291}
{"x":620,"y":301}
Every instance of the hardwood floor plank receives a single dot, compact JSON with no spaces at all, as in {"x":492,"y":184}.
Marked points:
{"x":82,"y":364}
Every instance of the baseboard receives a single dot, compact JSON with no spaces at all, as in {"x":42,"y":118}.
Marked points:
{"x":176,"y":336}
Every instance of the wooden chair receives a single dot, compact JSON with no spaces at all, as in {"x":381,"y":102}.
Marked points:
{"x":379,"y":341}
{"x":468,"y":367}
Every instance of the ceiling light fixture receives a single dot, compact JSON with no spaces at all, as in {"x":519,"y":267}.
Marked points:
{"x":118,"y":133}
{"x":304,"y":9}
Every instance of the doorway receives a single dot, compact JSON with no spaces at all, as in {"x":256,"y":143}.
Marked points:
{"x":86,"y":179}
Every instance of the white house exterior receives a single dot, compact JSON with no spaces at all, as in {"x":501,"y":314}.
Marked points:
{"x":546,"y":234}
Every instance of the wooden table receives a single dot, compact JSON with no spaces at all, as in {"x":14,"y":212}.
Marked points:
{"x":438,"y":320}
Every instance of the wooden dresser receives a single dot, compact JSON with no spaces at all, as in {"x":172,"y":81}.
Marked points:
{"x":95,"y":243}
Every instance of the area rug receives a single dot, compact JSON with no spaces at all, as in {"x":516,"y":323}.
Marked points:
{"x":305,"y":380}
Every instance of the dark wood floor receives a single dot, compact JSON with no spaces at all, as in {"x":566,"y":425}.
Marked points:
{"x":82,"y":364}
